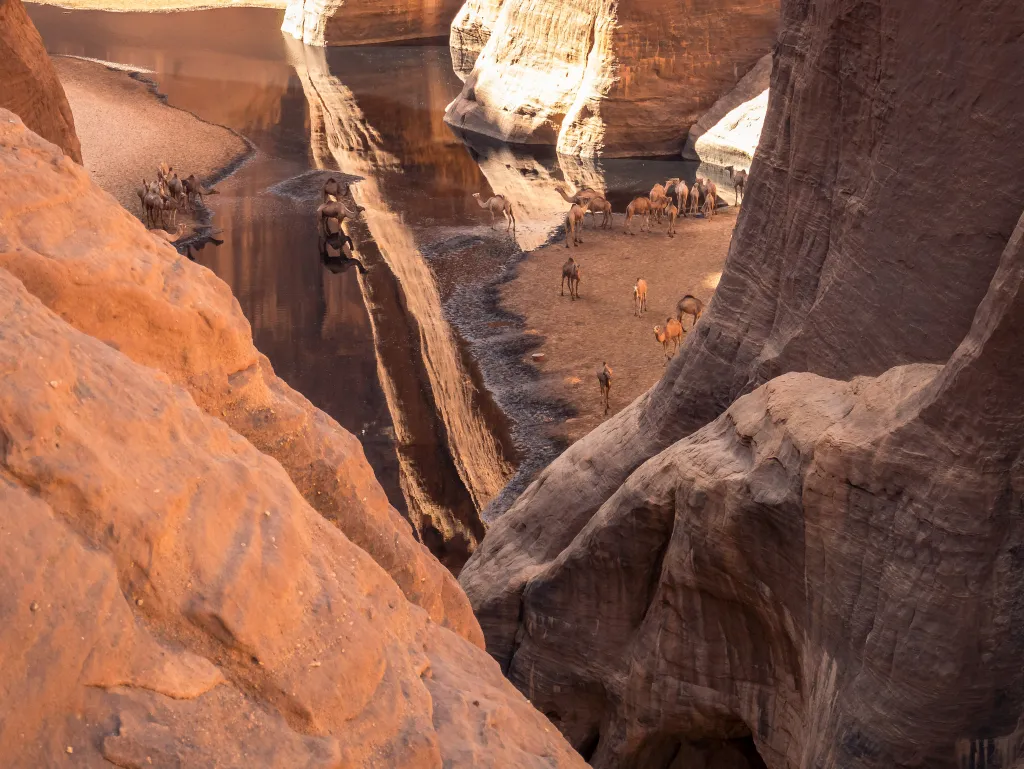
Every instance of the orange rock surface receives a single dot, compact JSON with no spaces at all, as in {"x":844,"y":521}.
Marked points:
{"x":172,"y":596}
{"x":29,"y":86}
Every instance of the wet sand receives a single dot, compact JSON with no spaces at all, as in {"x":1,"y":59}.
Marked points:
{"x":126,"y":130}
{"x":575,"y":337}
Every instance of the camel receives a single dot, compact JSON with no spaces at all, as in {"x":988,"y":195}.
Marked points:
{"x":332,"y":187}
{"x":574,"y":274}
{"x":689,"y":305}
{"x":604,"y":380}
{"x":195,"y":191}
{"x":673,"y":212}
{"x":682,"y":193}
{"x":638,"y":207}
{"x":696,"y":192}
{"x":176,"y":191}
{"x":708,"y":209}
{"x":639,"y":297}
{"x":598,"y":205}
{"x":342,"y":243}
{"x":671,"y":335}
{"x":498,"y":204}
{"x":659,"y":206}
{"x":581,"y":196}
{"x":154,"y":203}
{"x":166,"y":236}
{"x":739,"y":182}
{"x":574,"y":224}
{"x":336,"y":211}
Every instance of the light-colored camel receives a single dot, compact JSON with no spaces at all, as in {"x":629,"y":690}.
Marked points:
{"x":169,"y":237}
{"x":670,"y":336}
{"x":672,"y":213}
{"x":695,"y":195}
{"x":498,"y":204}
{"x":710,"y":203}
{"x":599,"y":205}
{"x":689,"y":305}
{"x":574,"y":224}
{"x":739,"y":182}
{"x":640,"y":206}
{"x":571,"y":272}
{"x":160,"y":211}
{"x":639,"y":297}
{"x":682,"y":193}
{"x":604,"y":380}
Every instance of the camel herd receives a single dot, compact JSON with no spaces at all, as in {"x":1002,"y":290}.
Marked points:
{"x":162,"y":199}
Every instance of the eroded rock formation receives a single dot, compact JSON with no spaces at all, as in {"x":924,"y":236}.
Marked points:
{"x":179,"y":588}
{"x":828,"y":567}
{"x":361,"y":22}
{"x":625,"y":79}
{"x":29,"y":86}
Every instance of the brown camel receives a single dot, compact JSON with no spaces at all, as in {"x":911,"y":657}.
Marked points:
{"x":336,"y":211}
{"x":689,"y":305}
{"x":598,"y":205}
{"x":498,"y":204}
{"x":604,"y":380}
{"x":640,"y":206}
{"x":195,"y":191}
{"x":696,"y":192}
{"x":574,"y":224}
{"x":672,"y":213}
{"x":659,"y":206}
{"x":739,"y":182}
{"x":670,"y":336}
{"x":640,"y":297}
{"x":711,"y":198}
{"x":580,"y":196}
{"x":571,"y":272}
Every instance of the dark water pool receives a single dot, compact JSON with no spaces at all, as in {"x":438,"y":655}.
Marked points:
{"x":415,"y":357}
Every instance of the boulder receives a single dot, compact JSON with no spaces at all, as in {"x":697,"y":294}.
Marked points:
{"x":92,"y":263}
{"x":29,"y":86}
{"x":619,"y":80}
{"x":335,"y":22}
{"x":770,"y":542}
{"x":728,"y":133}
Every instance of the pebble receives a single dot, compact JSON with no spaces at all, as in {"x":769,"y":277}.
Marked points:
{"x":34,"y":606}
{"x":138,"y":602}
{"x":538,"y":356}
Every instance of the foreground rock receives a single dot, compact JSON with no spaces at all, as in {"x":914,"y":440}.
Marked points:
{"x":728,"y":133}
{"x":29,"y":86}
{"x":171,"y":599}
{"x":763,"y":549}
{"x":593,"y":78}
{"x":364,"y":22}
{"x":110,"y":279}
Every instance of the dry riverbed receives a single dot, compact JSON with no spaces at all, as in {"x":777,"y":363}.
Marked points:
{"x":577,"y":336}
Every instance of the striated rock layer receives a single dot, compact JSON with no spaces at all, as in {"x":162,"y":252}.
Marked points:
{"x":828,"y":567}
{"x":84,"y":256}
{"x":171,"y":595}
{"x":29,"y":86}
{"x":359,"y":22}
{"x":616,"y":79}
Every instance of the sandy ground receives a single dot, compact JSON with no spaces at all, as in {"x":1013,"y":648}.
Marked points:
{"x":159,"y":5}
{"x":579,"y":335}
{"x":126,"y":131}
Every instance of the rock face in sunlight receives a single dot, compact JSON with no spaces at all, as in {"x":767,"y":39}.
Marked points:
{"x":359,"y":22}
{"x":728,"y":133}
{"x":29,"y":86}
{"x":823,"y":562}
{"x":598,"y":78}
{"x":179,"y":586}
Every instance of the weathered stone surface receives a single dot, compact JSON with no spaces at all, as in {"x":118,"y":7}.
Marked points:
{"x":91,"y":262}
{"x":29,"y":86}
{"x":728,"y":133}
{"x":626,"y":79}
{"x":363,"y":22}
{"x":828,"y":567}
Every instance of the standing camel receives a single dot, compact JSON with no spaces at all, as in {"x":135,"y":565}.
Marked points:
{"x":682,"y":193}
{"x":604,"y":380}
{"x":671,"y":335}
{"x":333,"y":187}
{"x":598,"y":205}
{"x":739,"y":182}
{"x":659,"y":206}
{"x":574,"y":224}
{"x":336,"y":211}
{"x":696,"y":192}
{"x":673,"y":212}
{"x":640,"y":297}
{"x":571,"y":272}
{"x":498,"y":204}
{"x":640,"y":206}
{"x":711,"y":198}
{"x":689,"y":305}
{"x":581,"y":196}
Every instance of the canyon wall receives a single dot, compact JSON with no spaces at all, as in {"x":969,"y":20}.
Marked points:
{"x":199,"y":566}
{"x":770,"y":574}
{"x":363,"y":22}
{"x":29,"y":86}
{"x":595,"y":77}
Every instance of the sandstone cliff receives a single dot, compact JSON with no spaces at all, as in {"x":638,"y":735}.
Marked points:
{"x":364,"y":22}
{"x":827,"y":567}
{"x":29,"y":86}
{"x":617,"y":79}
{"x":179,"y":589}
{"x":728,"y":133}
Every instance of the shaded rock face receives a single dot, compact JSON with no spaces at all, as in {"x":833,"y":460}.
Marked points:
{"x":828,"y":566}
{"x":626,"y":79}
{"x":29,"y":86}
{"x":170,"y":597}
{"x":728,"y":133}
{"x":337,"y":22}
